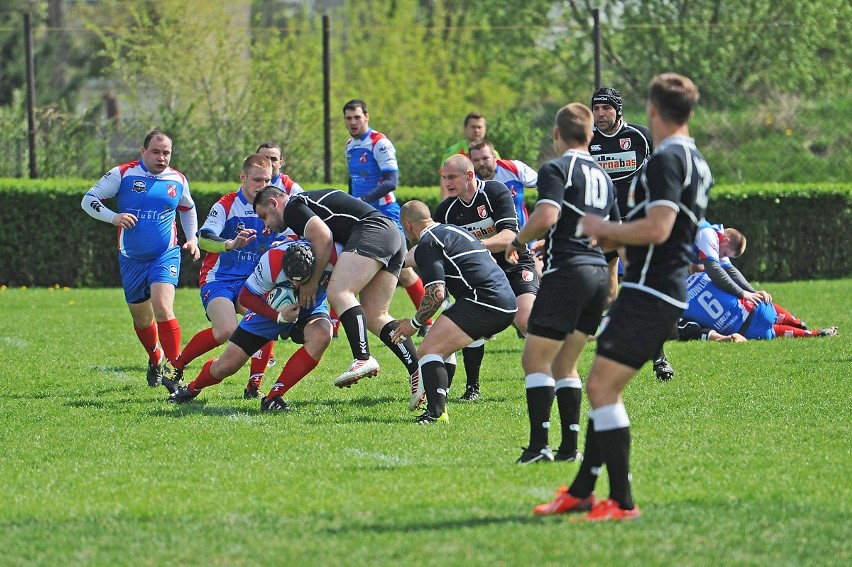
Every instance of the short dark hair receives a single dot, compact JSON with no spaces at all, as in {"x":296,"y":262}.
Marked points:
{"x":268,"y":192}
{"x":675,"y":97}
{"x":268,"y":145}
{"x":470,"y":116}
{"x":355,"y":104}
{"x":479,"y":144}
{"x":155,"y":133}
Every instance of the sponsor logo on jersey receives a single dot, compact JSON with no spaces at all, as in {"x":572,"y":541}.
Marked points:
{"x":624,"y":143}
{"x":481,"y":211}
{"x":595,"y":147}
{"x":139,"y":186}
{"x":172,"y":190}
{"x":213,"y":213}
{"x":241,"y":226}
{"x":622,"y":162}
{"x":363,"y":158}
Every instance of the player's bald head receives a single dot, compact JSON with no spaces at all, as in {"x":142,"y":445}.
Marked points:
{"x":414,"y":212}
{"x":459,"y":162}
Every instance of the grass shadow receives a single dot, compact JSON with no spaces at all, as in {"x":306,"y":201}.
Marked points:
{"x":427,"y":526}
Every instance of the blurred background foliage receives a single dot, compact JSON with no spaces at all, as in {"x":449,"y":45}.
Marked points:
{"x":223,"y":76}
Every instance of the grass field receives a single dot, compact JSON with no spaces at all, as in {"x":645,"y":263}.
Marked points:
{"x":742,"y":459}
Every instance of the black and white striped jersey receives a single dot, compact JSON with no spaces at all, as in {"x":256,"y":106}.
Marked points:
{"x":490,"y":211}
{"x":576,"y":185}
{"x":339,"y":210}
{"x":676,"y":176}
{"x":451,"y":255}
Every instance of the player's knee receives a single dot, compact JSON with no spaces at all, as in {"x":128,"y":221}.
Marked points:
{"x":223,"y":332}
{"x":317,"y":337}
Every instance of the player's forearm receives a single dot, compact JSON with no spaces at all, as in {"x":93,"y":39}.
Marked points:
{"x":499,"y":241}
{"x":254,"y":302}
{"x":721,"y":279}
{"x":739,"y":279}
{"x":209,"y":241}
{"x":189,"y":223}
{"x":541,"y":219}
{"x":95,"y":208}
{"x":386,"y":185}
{"x":432,"y":299}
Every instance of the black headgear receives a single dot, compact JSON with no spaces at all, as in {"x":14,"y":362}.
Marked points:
{"x":298,"y":262}
{"x":610,"y":96}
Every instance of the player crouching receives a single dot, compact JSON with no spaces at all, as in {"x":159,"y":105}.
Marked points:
{"x":286,"y":264}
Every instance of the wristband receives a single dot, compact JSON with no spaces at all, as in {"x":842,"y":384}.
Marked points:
{"x":414,"y":323}
{"x":517,"y":244}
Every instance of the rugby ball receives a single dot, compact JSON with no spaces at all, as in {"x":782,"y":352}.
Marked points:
{"x":281,"y":296}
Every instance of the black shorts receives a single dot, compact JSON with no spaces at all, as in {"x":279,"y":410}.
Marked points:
{"x":378,"y":238}
{"x":570,"y":298}
{"x":523,"y":281}
{"x":251,"y":343}
{"x":639,"y":324}
{"x":477,"y":321}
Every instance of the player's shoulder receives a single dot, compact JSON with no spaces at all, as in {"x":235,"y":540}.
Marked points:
{"x":637,"y":128}
{"x":376,"y":138}
{"x":129,"y":168}
{"x":493,"y":187}
{"x":227,"y":200}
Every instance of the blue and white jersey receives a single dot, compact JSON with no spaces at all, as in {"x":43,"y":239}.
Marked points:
{"x":367,"y":158}
{"x":153,"y":199}
{"x":516,"y":175}
{"x":286,"y":184}
{"x":711,"y":307}
{"x":231,"y":214}
{"x":706,"y":246}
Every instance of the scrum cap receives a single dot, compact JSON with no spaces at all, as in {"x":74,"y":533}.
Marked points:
{"x":298,"y":261}
{"x":610,"y":96}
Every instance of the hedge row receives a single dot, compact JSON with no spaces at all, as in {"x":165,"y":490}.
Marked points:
{"x":794,"y":232}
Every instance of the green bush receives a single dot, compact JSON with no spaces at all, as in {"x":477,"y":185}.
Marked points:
{"x":794,"y":232}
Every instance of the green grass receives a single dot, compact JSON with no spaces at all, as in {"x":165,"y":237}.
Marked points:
{"x":742,"y":459}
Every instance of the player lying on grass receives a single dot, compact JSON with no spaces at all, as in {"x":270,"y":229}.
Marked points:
{"x":287,"y":264}
{"x":711,"y":308}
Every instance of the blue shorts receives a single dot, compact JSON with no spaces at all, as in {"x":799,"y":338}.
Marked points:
{"x":229,"y":289}
{"x":761,"y":323}
{"x":271,"y":330}
{"x":137,"y":277}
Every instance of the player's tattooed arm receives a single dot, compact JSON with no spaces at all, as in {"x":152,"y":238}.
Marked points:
{"x":432,"y":300}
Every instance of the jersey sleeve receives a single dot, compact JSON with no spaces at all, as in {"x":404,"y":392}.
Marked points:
{"x":551,"y":184}
{"x":527,"y":175}
{"x":106,"y":188}
{"x":385,"y":155}
{"x":261,"y":280}
{"x":429,"y":259}
{"x":186,"y":203}
{"x":505,"y":215}
{"x":664,"y":177}
{"x":297,"y":213}
{"x":216,"y":218}
{"x":707,"y":243}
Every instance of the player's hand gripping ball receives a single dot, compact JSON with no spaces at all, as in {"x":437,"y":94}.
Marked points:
{"x":281,"y":297}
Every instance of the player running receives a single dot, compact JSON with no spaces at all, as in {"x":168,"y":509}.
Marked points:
{"x":149,"y":194}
